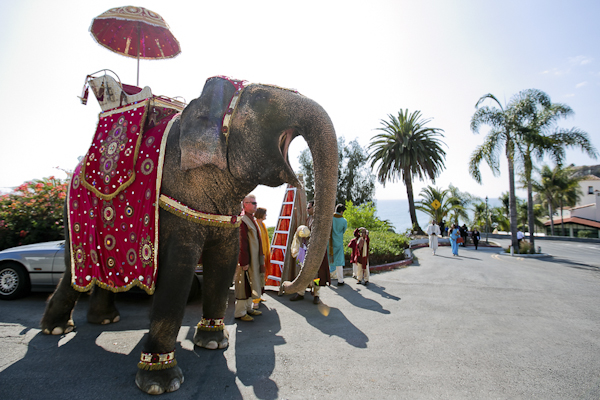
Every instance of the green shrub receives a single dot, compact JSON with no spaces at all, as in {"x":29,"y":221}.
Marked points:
{"x":33,"y":213}
{"x":585,"y":234}
{"x":271,"y":231}
{"x":364,"y":216}
{"x":525,"y":247}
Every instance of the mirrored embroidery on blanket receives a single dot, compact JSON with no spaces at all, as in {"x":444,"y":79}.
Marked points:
{"x":113,"y":200}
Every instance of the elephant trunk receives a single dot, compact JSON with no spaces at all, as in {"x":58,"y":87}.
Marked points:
{"x":317,"y":130}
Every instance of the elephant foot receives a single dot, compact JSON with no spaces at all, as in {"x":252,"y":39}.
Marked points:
{"x":159,"y":382}
{"x":212,"y":340}
{"x":57,"y":329}
{"x":57,"y":320}
{"x":103,"y":318}
{"x":102,"y":308}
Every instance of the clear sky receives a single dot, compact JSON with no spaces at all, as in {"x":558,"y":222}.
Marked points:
{"x":360,"y":60}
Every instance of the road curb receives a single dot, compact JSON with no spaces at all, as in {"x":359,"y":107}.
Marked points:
{"x":391,"y":266}
{"x":541,"y":255}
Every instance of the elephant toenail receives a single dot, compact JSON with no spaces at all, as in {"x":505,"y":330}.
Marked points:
{"x":117,"y":318}
{"x":105,"y":321}
{"x":155,"y":389}
{"x":175,"y":385}
{"x":212,"y":345}
{"x":57,"y":331}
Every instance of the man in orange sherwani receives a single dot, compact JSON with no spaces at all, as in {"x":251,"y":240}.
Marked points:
{"x":260,"y":215}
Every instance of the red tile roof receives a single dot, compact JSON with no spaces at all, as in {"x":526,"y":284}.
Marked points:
{"x":576,"y":220}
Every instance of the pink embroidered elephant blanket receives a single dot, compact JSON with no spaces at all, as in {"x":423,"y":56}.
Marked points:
{"x":113,"y":199}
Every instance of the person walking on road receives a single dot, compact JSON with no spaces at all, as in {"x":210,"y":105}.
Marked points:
{"x":433,"y":230}
{"x":476,"y":236}
{"x":454,"y":235}
{"x":464,"y":233}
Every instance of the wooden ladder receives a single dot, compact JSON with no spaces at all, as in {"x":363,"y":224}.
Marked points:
{"x":282,"y":237}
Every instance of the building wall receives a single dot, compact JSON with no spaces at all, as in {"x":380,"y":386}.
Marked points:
{"x":586,"y":212}
{"x":587,"y":197}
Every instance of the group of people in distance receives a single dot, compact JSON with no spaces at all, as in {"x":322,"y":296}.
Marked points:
{"x":457,"y":236}
{"x":254,"y":253}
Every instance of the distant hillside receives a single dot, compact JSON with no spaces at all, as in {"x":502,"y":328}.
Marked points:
{"x":587,"y":170}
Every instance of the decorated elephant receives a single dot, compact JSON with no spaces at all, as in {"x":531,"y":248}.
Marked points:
{"x":232,"y":138}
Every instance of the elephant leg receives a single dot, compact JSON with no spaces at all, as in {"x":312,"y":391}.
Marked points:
{"x":57,"y":318}
{"x":177,"y":260}
{"x":219,"y":262}
{"x":102,"y":308}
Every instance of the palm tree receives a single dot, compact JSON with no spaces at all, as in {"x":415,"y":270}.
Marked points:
{"x":546,"y":188}
{"x":505,"y":128}
{"x":480,"y":215}
{"x":461,"y":201}
{"x":407,"y":149}
{"x":541,"y":136}
{"x":505,"y":200}
{"x":499,"y":219}
{"x":429,"y":194}
{"x":522,"y":214}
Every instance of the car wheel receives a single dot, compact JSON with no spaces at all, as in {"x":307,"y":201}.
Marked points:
{"x":14,"y":281}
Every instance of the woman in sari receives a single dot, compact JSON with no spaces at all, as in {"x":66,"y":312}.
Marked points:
{"x":454,"y":235}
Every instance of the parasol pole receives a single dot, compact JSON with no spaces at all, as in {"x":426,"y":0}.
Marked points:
{"x":138,"y":44}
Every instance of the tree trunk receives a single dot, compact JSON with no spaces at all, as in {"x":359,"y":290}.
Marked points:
{"x":551,"y":213}
{"x":530,"y":215}
{"x":512,"y":198}
{"x":562,"y":220}
{"x":411,"y":202}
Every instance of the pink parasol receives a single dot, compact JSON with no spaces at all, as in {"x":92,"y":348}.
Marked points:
{"x":135,"y":32}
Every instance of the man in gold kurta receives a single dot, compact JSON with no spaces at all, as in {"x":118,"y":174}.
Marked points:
{"x":251,"y":263}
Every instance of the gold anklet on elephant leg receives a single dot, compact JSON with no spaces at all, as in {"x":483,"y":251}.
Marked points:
{"x":157,"y":361}
{"x":211,"y":324}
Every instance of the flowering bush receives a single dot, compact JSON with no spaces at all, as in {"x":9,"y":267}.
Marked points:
{"x":33,"y":213}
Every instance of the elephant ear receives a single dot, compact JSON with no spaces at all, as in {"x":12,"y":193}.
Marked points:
{"x":201,"y":140}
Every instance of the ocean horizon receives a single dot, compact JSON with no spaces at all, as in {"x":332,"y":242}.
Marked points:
{"x":396,"y":212}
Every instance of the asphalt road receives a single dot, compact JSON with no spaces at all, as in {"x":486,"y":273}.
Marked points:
{"x":478,"y":326}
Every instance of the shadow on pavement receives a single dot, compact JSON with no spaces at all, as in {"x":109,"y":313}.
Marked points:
{"x":255,"y":353}
{"x":380,"y":290}
{"x":572,"y":264}
{"x":353,"y":296}
{"x":76,"y":365}
{"x":100,"y":361}
{"x":330,"y":321}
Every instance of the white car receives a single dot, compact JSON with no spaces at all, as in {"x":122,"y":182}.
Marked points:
{"x":36,"y":267}
{"x":39,"y":267}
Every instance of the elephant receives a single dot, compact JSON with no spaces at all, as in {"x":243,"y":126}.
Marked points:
{"x":211,"y":163}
